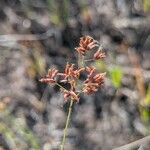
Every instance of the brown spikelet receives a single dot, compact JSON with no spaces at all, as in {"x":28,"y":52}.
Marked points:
{"x":50,"y":77}
{"x":93,"y":82}
{"x":86,"y":43}
{"x":99,"y":55}
{"x":70,"y":71}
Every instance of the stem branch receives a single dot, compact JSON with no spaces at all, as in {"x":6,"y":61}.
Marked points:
{"x":66,"y":126}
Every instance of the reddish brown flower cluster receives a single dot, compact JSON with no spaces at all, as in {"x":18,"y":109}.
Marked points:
{"x":50,"y":77}
{"x":86,"y":43}
{"x":70,"y":76}
{"x":93,"y":81}
{"x":71,"y":73}
{"x":99,"y":55}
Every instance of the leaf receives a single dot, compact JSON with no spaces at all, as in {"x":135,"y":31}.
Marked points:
{"x":145,"y":114}
{"x":17,"y":133}
{"x":146,"y":5}
{"x":147,"y":97}
{"x":116,"y":75}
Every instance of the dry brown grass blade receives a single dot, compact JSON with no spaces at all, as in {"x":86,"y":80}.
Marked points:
{"x":135,"y":144}
{"x":134,"y":58}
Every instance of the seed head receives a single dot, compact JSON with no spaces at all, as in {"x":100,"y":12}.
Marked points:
{"x":99,"y":55}
{"x":86,"y":43}
{"x":50,"y":77}
{"x":71,"y":73}
{"x":93,"y":82}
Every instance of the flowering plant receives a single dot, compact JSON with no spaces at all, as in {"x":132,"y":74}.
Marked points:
{"x":71,"y":76}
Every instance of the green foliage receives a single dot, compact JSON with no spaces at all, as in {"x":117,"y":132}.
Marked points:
{"x":116,"y":75}
{"x":59,"y":12}
{"x":16,"y":133}
{"x":145,"y":114}
{"x":39,"y":63}
{"x":145,"y":111}
{"x":147,"y":97}
{"x":146,"y":5}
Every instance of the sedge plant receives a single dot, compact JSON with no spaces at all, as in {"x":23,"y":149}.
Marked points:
{"x":71,"y":76}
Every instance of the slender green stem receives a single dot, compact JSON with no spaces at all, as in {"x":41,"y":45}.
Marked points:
{"x":66,"y":126}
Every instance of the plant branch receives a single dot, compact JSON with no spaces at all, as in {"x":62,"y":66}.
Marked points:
{"x":135,"y":144}
{"x":66,"y":126}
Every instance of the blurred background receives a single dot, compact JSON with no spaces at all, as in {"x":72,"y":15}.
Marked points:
{"x":38,"y":34}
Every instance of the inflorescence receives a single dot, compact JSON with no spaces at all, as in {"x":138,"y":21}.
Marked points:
{"x":72,"y":72}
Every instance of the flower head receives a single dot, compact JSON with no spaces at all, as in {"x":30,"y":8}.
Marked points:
{"x":71,"y":72}
{"x":99,"y":55}
{"x":93,"y":82}
{"x":86,"y":43}
{"x":50,"y":77}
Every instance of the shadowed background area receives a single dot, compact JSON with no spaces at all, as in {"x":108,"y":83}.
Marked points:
{"x":38,"y":34}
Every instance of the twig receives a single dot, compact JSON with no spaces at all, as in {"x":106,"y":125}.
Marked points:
{"x":134,"y":58}
{"x":25,"y":37}
{"x":135,"y":144}
{"x":66,"y":127}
